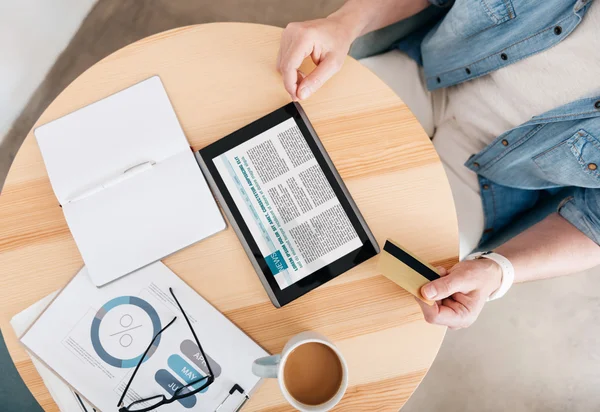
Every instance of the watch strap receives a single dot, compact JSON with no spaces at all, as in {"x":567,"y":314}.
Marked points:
{"x":508,"y":271}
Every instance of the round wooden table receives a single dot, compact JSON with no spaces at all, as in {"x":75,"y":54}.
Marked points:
{"x":220,"y":77}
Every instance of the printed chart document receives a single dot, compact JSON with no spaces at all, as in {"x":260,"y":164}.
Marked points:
{"x":94,"y":337}
{"x":66,"y":399}
{"x":287,"y":203}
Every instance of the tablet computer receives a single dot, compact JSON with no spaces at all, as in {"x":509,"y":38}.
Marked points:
{"x":287,"y":203}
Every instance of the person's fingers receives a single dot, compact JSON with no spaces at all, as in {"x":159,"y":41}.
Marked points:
{"x":278,"y":61}
{"x":455,"y":281}
{"x":301,"y":77}
{"x":323,"y":72}
{"x":458,"y":294}
{"x":474,"y":301}
{"x":463,"y":316}
{"x":429,"y":311}
{"x":442,"y":271}
{"x":290,"y":61}
{"x":440,"y":314}
{"x":289,"y":82}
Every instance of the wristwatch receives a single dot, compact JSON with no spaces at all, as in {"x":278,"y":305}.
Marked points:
{"x":508,"y":271}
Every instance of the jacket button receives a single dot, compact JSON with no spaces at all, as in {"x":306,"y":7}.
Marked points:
{"x":475,"y":164}
{"x":558,"y":30}
{"x":468,"y":70}
{"x":592,"y":166}
{"x":438,"y":80}
{"x":505,"y":142}
{"x":503,"y":56}
{"x":597,"y":104}
{"x":485,"y":187}
{"x":488,"y":230}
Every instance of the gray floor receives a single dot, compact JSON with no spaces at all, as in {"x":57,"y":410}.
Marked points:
{"x":14,"y":395}
{"x":537,"y":349}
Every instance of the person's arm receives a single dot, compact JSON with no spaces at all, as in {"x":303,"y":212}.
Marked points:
{"x":328,"y":40}
{"x":553,"y":247}
{"x":364,"y":16}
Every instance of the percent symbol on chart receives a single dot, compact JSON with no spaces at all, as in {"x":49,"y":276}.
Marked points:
{"x":125,"y":338}
{"x":121,"y":330}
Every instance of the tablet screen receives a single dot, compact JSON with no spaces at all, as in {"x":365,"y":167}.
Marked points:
{"x":287,"y":203}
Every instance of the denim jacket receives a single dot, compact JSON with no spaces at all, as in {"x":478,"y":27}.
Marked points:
{"x":557,"y":149}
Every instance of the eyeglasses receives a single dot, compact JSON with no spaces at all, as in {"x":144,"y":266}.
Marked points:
{"x":192,"y":388}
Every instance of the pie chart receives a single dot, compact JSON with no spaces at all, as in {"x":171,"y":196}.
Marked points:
{"x":122,"y":329}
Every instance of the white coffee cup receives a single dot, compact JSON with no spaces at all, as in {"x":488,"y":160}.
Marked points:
{"x":273,"y":367}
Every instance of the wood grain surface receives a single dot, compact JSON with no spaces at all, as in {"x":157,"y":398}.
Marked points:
{"x":220,"y":77}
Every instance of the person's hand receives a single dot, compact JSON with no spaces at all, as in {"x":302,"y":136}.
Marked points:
{"x":326,"y":41}
{"x":461,"y":292}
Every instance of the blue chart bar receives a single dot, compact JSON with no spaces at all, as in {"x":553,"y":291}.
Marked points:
{"x":170,"y":383}
{"x":192,"y":352}
{"x":185,"y":371}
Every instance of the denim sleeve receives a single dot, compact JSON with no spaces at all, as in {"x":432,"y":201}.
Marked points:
{"x":442,"y":3}
{"x":582,"y":210}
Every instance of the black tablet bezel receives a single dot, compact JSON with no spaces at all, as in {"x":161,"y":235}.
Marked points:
{"x":369,"y":246}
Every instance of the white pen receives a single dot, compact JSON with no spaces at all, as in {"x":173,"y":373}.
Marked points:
{"x":132,"y":171}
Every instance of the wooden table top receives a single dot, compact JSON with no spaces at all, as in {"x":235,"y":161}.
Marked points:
{"x":219,"y":78}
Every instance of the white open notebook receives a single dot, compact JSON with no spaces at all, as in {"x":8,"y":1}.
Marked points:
{"x":129,"y":185}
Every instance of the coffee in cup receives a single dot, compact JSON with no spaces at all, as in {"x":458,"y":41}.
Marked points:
{"x":312,"y":374}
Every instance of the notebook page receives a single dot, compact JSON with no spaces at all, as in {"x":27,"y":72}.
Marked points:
{"x":98,"y":142}
{"x":144,"y":218}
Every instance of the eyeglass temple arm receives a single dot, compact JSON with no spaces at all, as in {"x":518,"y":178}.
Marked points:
{"x":193,"y":333}
{"x":141,"y":361}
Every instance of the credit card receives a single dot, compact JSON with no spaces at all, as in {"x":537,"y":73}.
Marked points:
{"x":405,"y":269}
